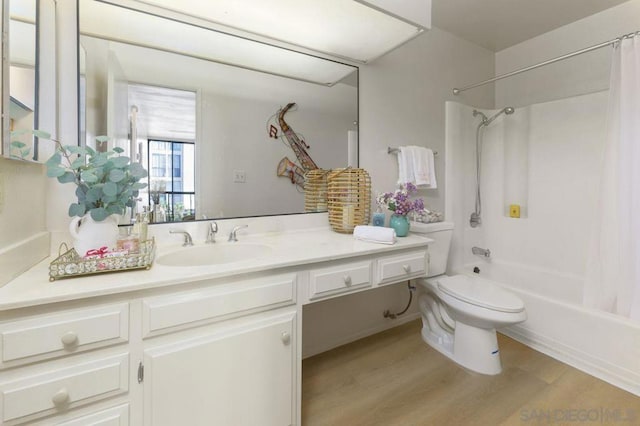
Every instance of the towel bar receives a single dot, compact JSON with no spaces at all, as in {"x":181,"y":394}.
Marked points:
{"x":397,"y":150}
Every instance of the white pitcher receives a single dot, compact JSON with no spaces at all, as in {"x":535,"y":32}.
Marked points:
{"x":91,"y":235}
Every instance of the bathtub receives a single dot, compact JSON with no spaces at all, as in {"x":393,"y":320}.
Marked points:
{"x":599,"y":343}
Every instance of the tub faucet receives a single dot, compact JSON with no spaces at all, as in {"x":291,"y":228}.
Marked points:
{"x":187,"y":237}
{"x":211,"y":233}
{"x":232,"y":235}
{"x":481,"y":251}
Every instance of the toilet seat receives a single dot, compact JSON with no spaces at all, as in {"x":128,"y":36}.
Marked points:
{"x":486,"y":295}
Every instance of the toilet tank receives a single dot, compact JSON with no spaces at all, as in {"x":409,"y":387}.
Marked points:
{"x":441,"y":233}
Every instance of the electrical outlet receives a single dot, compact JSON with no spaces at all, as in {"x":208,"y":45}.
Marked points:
{"x":239,"y":176}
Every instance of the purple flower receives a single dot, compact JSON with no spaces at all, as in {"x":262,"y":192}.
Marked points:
{"x":399,"y":201}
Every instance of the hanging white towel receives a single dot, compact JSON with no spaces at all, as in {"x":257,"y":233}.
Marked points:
{"x":424,"y":158}
{"x":405,"y":165}
{"x":416,"y":165}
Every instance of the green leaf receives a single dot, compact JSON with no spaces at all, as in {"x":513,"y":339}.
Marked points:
{"x":99,"y":159}
{"x":41,"y":134}
{"x":94,"y":194}
{"x":18,"y":144}
{"x":99,"y":214}
{"x":115,"y":209}
{"x":102,"y":138}
{"x":78,"y":163}
{"x":90,"y":151}
{"x":137,"y":171}
{"x":54,"y":160}
{"x":67,"y":177}
{"x":138,"y":185}
{"x":81,"y":194}
{"x":55,"y":171}
{"x":88,"y":176}
{"x":121,"y":161}
{"x":116,"y":175}
{"x":118,"y":150}
{"x":110,"y":189}
{"x":76,"y":209}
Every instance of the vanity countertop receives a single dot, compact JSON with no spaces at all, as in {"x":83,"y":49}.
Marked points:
{"x":289,"y":249}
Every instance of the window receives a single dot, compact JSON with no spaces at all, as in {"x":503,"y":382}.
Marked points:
{"x":172,"y":179}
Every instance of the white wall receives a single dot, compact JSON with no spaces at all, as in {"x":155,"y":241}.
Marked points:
{"x":402,"y":99}
{"x":582,"y":74}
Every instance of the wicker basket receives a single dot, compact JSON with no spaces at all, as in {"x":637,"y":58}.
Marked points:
{"x":315,"y":190}
{"x":348,"y":199}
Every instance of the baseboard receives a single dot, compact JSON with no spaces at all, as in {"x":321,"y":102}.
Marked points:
{"x":602,"y":369}
{"x":17,"y":258}
{"x":312,"y":350}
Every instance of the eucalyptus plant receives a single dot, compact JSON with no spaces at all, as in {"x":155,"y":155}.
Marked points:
{"x":107,"y":182}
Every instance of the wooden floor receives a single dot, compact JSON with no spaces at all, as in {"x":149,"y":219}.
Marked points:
{"x":394,"y":378}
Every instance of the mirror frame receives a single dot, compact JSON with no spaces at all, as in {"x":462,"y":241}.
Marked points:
{"x":186,"y":21}
{"x":5,"y":75}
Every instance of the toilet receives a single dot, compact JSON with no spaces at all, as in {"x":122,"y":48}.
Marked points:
{"x":460,"y":314}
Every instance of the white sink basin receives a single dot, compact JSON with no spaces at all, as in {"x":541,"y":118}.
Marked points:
{"x":213,"y":254}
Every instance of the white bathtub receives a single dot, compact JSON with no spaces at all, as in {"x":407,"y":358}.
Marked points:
{"x":602,"y":344}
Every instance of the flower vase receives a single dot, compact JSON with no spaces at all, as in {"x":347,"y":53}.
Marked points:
{"x":91,"y":235}
{"x":400,"y":224}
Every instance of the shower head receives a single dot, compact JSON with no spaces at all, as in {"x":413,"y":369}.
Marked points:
{"x":507,"y":110}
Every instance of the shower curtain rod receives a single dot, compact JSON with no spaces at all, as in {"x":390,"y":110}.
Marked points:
{"x":456,"y":91}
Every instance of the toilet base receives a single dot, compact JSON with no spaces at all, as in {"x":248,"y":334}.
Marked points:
{"x":473,"y":348}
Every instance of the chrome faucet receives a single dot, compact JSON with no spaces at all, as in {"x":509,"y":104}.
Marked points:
{"x":481,"y":251}
{"x":232,"y":235}
{"x":211,"y":234}
{"x":187,"y":237}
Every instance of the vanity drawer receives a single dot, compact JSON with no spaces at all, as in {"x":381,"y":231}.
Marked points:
{"x":48,"y":336}
{"x":116,"y":416}
{"x":216,"y":303}
{"x":59,"y":390}
{"x":402,"y":267}
{"x":325,"y":282}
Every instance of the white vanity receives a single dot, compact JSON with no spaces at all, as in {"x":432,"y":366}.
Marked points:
{"x":199,"y":345}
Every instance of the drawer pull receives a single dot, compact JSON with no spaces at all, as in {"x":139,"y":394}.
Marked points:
{"x":347,"y":279}
{"x":69,"y":338}
{"x":61,"y":397}
{"x":406,"y":268}
{"x":285,"y":337}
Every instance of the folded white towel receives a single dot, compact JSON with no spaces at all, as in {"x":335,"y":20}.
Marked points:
{"x":375,"y":234}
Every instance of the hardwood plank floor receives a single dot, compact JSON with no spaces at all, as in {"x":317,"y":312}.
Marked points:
{"x":394,"y":378}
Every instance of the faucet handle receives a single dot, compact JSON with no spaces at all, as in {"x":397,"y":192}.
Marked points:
{"x":211,"y":234}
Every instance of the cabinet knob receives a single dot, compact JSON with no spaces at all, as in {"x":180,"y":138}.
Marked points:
{"x":285,"y":337}
{"x":69,"y":338}
{"x":61,"y":397}
{"x":347,"y":279}
{"x":406,"y":268}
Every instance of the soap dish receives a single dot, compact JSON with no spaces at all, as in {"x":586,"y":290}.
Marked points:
{"x":70,"y":264}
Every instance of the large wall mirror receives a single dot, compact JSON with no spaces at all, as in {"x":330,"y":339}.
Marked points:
{"x":210,"y":115}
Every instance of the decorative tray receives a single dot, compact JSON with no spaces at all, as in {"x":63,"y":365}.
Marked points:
{"x":70,"y":264}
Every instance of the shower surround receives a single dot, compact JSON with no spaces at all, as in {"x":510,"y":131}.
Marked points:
{"x":546,"y":158}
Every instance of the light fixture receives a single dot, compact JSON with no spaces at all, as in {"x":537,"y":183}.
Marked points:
{"x":343,"y":28}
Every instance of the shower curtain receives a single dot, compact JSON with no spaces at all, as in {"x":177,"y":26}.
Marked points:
{"x":613,"y":269}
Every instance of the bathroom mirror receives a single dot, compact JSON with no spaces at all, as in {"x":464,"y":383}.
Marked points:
{"x":20,"y":80}
{"x":200,"y":109}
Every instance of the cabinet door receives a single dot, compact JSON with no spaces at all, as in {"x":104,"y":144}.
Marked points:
{"x":239,"y":375}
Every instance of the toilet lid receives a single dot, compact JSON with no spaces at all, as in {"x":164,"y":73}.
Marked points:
{"x":480,"y":293}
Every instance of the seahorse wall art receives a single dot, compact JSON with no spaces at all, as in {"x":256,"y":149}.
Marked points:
{"x":287,"y":168}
